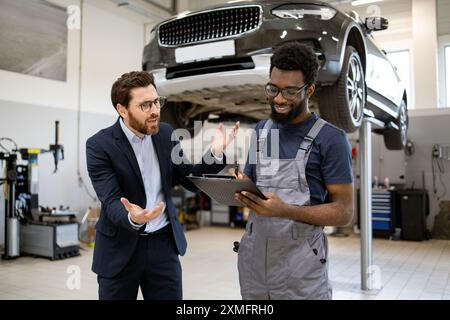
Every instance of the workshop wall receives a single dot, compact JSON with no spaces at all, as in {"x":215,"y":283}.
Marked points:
{"x":111,"y":44}
{"x":428,"y":127}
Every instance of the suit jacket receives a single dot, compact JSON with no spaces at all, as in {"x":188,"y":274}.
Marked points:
{"x":114,"y":172}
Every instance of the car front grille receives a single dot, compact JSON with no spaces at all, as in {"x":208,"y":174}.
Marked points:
{"x":209,"y":25}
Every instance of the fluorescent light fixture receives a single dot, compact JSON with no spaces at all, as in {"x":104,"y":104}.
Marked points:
{"x":361,"y":2}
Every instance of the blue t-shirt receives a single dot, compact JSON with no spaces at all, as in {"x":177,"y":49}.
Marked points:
{"x":330,"y":160}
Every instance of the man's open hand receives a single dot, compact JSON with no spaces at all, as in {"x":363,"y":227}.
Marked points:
{"x":142,"y":216}
{"x":223,"y":138}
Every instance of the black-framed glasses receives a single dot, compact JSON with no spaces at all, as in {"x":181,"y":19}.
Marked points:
{"x":289,"y":93}
{"x":158,"y":102}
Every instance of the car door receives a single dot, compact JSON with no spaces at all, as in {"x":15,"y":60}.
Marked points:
{"x":381,"y":78}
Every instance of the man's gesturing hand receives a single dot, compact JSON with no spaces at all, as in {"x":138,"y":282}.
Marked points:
{"x":142,"y":216}
{"x":223,"y":138}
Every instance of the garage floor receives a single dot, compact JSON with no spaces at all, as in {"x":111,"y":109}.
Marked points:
{"x":409,"y":270}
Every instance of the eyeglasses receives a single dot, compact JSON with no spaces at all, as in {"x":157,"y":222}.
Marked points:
{"x":158,"y":102}
{"x":289,"y":93}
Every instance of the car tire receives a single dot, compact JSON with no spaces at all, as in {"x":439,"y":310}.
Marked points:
{"x":343,"y":103}
{"x":397,"y":139}
{"x":176,"y":114}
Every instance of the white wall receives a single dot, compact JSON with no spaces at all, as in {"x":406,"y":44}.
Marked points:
{"x":425,"y":53}
{"x":112,"y":45}
{"x":428,"y":127}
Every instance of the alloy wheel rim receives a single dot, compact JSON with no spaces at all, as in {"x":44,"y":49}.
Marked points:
{"x":355,"y":89}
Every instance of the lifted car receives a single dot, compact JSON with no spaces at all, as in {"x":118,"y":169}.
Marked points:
{"x":214,"y":63}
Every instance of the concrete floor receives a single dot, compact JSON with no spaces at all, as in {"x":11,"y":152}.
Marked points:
{"x":408,"y":270}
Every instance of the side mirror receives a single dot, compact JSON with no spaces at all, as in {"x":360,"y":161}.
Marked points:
{"x":376,"y":23}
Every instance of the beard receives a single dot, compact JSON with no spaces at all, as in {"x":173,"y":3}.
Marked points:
{"x":295,"y":111}
{"x":148,"y":127}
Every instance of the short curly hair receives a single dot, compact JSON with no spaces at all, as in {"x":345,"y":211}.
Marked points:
{"x":120,"y":91}
{"x":296,"y":56}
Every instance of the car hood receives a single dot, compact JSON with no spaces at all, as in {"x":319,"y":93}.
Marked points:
{"x":270,"y":3}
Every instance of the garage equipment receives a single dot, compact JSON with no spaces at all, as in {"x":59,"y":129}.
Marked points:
{"x":51,"y":240}
{"x":21,"y":192}
{"x":12,"y":226}
{"x":414,"y":207}
{"x":384,"y":217}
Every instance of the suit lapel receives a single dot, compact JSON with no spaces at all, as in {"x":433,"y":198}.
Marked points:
{"x":123,"y":143}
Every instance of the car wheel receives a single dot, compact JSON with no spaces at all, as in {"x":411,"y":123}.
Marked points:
{"x":397,"y":139}
{"x":177,"y":115}
{"x":343,"y":103}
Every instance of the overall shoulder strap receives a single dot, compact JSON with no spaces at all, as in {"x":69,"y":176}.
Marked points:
{"x":307,"y":141}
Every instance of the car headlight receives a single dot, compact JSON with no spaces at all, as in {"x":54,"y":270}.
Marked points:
{"x":294,"y":12}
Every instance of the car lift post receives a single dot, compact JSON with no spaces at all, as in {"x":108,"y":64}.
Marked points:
{"x":365,"y":160}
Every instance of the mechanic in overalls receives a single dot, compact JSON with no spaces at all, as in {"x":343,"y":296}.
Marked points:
{"x":307,"y":178}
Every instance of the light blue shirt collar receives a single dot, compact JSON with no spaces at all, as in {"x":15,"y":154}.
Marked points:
{"x":131,"y":136}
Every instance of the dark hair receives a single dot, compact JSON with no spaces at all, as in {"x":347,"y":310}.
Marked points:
{"x":296,"y":56}
{"x":120,"y":91}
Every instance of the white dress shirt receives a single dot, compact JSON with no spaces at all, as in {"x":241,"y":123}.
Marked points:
{"x":151,"y":176}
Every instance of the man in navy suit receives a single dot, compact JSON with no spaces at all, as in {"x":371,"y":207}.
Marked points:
{"x":131,"y":166}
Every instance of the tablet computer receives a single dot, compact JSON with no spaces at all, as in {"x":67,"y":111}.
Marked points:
{"x":222,"y":188}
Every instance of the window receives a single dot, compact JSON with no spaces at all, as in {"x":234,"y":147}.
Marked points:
{"x":447,"y":74}
{"x":443,"y":33}
{"x":444,"y":71}
{"x":401,"y":61}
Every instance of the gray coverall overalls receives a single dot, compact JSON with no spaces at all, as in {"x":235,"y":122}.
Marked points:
{"x":282,"y":258}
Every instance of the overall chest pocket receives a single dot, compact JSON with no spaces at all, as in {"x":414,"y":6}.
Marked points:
{"x":284,"y":175}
